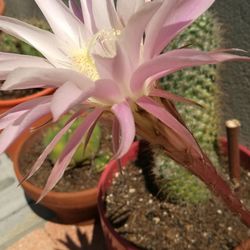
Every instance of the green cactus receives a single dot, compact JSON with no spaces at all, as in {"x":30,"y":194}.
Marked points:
{"x":197,"y":84}
{"x":11,"y":44}
{"x":90,"y":153}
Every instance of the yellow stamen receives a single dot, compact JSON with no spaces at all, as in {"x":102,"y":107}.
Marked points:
{"x":84,"y":63}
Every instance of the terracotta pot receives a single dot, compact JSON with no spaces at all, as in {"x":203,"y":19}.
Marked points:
{"x":113,"y":240}
{"x":5,"y":105}
{"x":71,"y":207}
{"x":2,"y":6}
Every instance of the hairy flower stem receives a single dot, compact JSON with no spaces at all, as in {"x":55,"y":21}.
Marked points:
{"x":155,"y":132}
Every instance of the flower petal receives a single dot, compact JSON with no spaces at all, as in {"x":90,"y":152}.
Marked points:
{"x":67,"y":154}
{"x":105,"y":15}
{"x":174,"y":60}
{"x":63,"y":23}
{"x":166,"y":35}
{"x":125,"y":117}
{"x":50,"y":147}
{"x":169,"y":120}
{"x":132,"y":35}
{"x":107,"y":91}
{"x":16,"y":112}
{"x":67,"y":97}
{"x":76,"y":9}
{"x":9,"y":134}
{"x":88,"y":17}
{"x":117,"y":68}
{"x":172,"y":12}
{"x":42,"y":40}
{"x":9,"y":62}
{"x":172,"y":97}
{"x":25,"y":78}
{"x":127,"y":8}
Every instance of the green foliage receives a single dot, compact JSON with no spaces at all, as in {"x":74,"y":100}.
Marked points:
{"x":197,"y":84}
{"x":91,"y":152}
{"x":11,"y":44}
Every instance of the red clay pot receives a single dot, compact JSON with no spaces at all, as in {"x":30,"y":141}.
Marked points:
{"x":244,"y":153}
{"x":72,"y":207}
{"x":113,"y":240}
{"x":2,"y":6}
{"x":5,"y":105}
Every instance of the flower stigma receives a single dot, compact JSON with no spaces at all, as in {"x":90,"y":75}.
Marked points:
{"x":103,"y":44}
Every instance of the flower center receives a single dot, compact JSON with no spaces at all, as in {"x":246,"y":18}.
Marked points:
{"x":103,"y":44}
{"x":84,"y":63}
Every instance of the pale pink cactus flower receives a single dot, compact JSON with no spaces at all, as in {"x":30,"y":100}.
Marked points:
{"x":108,"y":56}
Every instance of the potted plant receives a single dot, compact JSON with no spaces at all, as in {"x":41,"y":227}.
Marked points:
{"x":74,"y":199}
{"x":110,"y":63}
{"x":119,"y":222}
{"x":10,"y":44}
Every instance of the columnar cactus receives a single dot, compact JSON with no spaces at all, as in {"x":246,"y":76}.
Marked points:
{"x":82,"y":154}
{"x":197,"y":84}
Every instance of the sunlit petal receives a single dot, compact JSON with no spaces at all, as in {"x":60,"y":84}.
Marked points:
{"x":175,"y":60}
{"x":16,"y":112}
{"x":9,"y":134}
{"x":107,"y":91}
{"x":127,"y":8}
{"x":50,"y":147}
{"x":105,"y":15}
{"x":67,"y":96}
{"x":125,"y":117}
{"x":42,"y":40}
{"x":10,"y":61}
{"x":170,"y":13}
{"x":172,"y":97}
{"x":132,"y":35}
{"x":69,"y":28}
{"x":24,"y":78}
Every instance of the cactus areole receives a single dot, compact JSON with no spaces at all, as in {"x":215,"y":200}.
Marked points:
{"x":107,"y":57}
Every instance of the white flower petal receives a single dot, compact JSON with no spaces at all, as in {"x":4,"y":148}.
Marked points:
{"x":42,"y":40}
{"x":105,"y":15}
{"x":62,"y":21}
{"x":24,"y":78}
{"x":9,"y":62}
{"x":126,"y":8}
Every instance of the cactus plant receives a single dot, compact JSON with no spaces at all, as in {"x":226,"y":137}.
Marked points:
{"x":89,"y":154}
{"x":197,"y":84}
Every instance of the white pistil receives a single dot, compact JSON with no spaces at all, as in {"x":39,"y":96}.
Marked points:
{"x":102,"y":43}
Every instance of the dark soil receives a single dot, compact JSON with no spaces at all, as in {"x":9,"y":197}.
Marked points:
{"x":154,"y":224}
{"x":74,"y":179}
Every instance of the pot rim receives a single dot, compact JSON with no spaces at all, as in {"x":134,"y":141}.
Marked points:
{"x":14,"y":102}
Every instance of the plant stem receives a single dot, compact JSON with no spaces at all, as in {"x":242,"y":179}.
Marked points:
{"x":155,"y":132}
